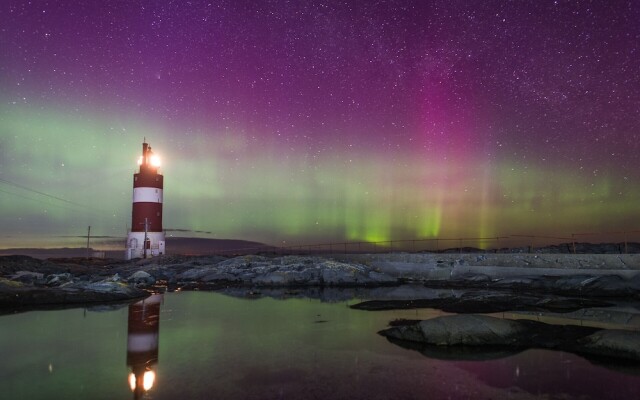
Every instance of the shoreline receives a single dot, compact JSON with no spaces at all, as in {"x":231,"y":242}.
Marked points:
{"x":29,"y":281}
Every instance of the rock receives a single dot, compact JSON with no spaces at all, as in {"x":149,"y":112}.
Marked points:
{"x":285,"y":271}
{"x":380,"y":277}
{"x":103,"y":287}
{"x":613,"y":343}
{"x":10,"y":284}
{"x":27,"y":276}
{"x":219,"y":277}
{"x":334,"y":273}
{"x":13,"y":264}
{"x":192,"y":274}
{"x":244,"y":262}
{"x":289,"y":275}
{"x":466,"y":330}
{"x":59,"y":279}
{"x":277,"y":278}
{"x":141,"y":279}
{"x":480,"y":301}
{"x":490,"y":332}
{"x":163,"y":273}
{"x":18,"y":296}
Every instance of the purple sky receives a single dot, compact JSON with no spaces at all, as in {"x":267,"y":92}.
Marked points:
{"x":310,"y":121}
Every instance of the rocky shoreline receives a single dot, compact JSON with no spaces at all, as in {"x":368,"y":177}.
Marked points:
{"x":27,"y":281}
{"x":456,"y":283}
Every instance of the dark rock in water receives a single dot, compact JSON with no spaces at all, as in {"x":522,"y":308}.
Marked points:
{"x":613,"y":343}
{"x":483,"y":331}
{"x":460,"y":330}
{"x":458,"y":353}
{"x":486,"y":302}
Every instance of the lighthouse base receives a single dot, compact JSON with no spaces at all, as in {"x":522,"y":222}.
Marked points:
{"x":136,"y":245}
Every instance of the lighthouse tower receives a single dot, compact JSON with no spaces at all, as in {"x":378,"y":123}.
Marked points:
{"x":146,"y":238}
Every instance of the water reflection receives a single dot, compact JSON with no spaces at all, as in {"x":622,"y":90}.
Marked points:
{"x":143,"y":335}
{"x":262,"y":348}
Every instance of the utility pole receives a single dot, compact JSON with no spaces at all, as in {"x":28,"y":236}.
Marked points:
{"x":88,"y":236}
{"x":146,"y":228}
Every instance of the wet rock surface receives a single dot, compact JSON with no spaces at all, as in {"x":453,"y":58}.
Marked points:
{"x":486,"y":302}
{"x":608,"y":285}
{"x":457,"y":333}
{"x":285,"y":271}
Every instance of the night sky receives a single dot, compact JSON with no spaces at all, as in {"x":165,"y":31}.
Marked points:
{"x":311,"y":121}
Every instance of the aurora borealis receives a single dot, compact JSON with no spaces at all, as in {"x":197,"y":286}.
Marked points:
{"x":314,"y":121}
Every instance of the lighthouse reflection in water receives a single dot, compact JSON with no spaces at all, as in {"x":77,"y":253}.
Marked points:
{"x":142,"y":343}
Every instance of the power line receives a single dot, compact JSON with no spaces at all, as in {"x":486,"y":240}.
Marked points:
{"x":40,"y":193}
{"x":73,"y":203}
{"x":37,"y":200}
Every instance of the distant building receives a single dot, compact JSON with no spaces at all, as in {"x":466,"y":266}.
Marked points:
{"x":98,"y":254}
{"x":146,"y":238}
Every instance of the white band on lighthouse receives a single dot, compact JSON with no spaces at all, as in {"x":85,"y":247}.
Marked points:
{"x":142,"y":342}
{"x":147,"y":195}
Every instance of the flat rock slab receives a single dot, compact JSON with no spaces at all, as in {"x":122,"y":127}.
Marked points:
{"x":486,"y":302}
{"x":490,"y":332}
{"x":284,"y":271}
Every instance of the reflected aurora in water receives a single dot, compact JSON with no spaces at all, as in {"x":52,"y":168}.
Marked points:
{"x":215,"y":346}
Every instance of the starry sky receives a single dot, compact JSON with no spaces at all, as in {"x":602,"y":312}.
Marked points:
{"x":315,"y":121}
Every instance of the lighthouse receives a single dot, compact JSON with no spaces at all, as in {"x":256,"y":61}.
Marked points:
{"x":143,"y":334}
{"x":146,"y":238}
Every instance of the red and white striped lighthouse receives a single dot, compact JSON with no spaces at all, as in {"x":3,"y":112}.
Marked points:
{"x":143,"y":335}
{"x":146,"y":238}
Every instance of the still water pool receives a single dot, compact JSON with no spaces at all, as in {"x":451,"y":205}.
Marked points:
{"x":206,"y":345}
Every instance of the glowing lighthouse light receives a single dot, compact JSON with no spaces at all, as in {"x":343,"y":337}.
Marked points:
{"x":155,"y":161}
{"x":146,"y":238}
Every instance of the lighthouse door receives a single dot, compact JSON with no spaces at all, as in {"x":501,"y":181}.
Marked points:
{"x":147,"y":244}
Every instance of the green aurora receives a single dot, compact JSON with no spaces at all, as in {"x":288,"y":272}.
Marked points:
{"x":235,"y":185}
